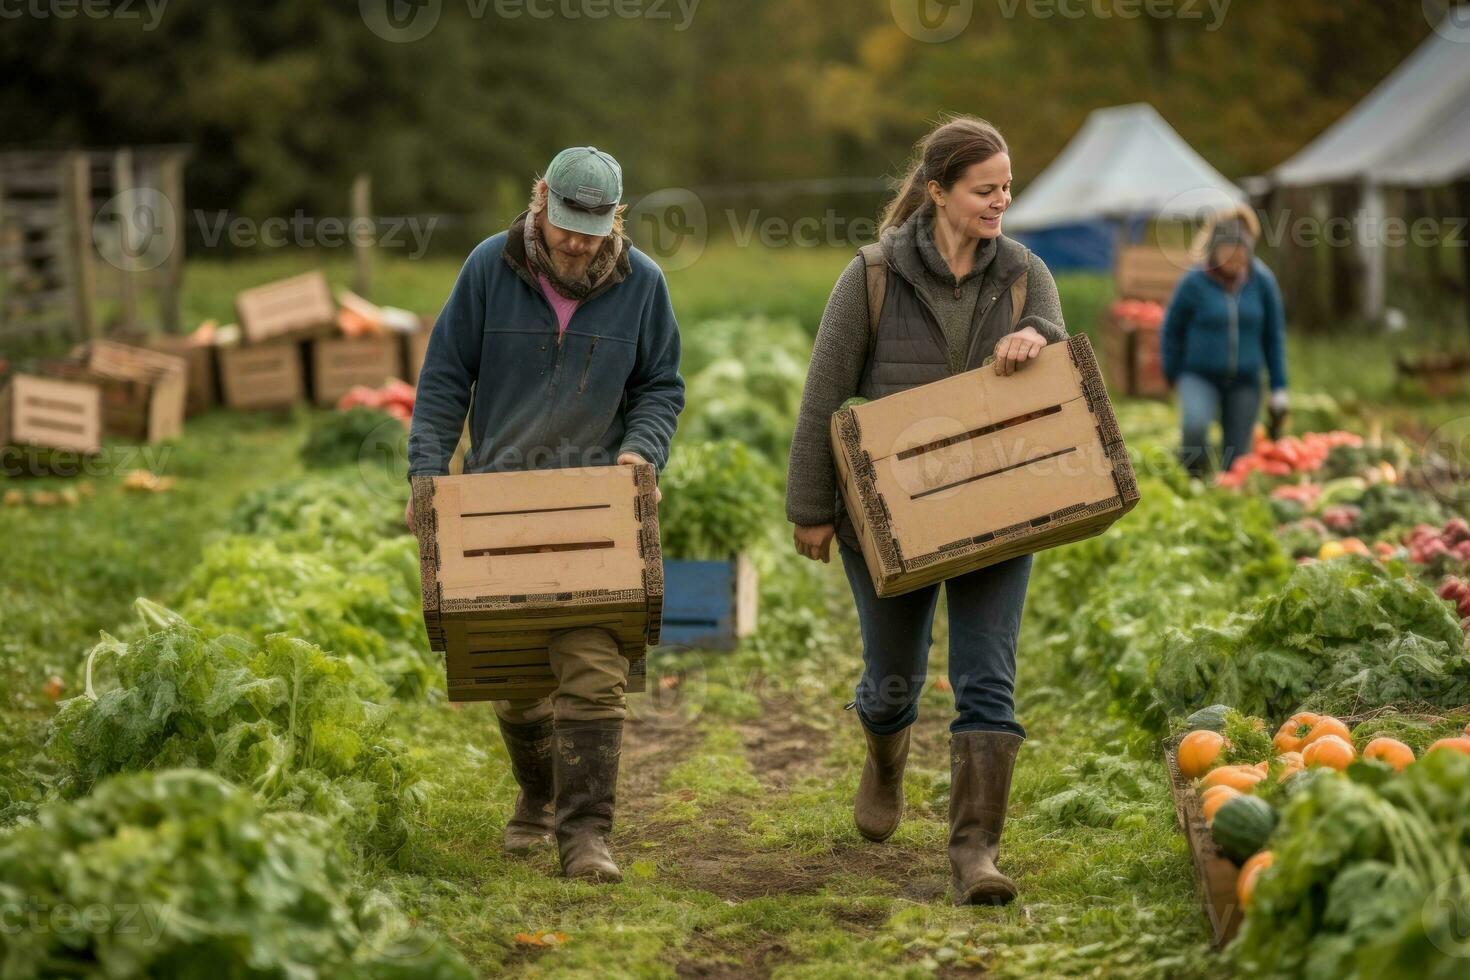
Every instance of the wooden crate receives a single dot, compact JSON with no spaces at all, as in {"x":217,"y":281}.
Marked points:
{"x":339,"y":363}
{"x":202,"y":374}
{"x":298,"y":308}
{"x":51,"y":413}
{"x":1010,"y":466}
{"x":507,"y":559}
{"x":709,"y":605}
{"x":1215,"y":873}
{"x":266,"y":376}
{"x":143,"y":391}
{"x":1149,"y":272}
{"x":1135,"y":358}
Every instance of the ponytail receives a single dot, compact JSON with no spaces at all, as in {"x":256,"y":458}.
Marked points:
{"x":944,"y":155}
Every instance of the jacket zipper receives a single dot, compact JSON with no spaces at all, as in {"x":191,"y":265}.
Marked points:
{"x":591,"y":349}
{"x":974,"y":333}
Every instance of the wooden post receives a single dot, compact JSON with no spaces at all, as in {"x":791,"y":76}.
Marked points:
{"x":122,"y":190}
{"x":362,"y":235}
{"x":1462,"y":195}
{"x":84,"y":270}
{"x":171,"y":184}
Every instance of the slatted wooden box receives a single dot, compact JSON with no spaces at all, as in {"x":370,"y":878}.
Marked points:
{"x":297,"y":308}
{"x":961,"y":473}
{"x":509,"y":558}
{"x":709,"y":605}
{"x":267,"y":376}
{"x":339,"y":363}
{"x":143,"y":391}
{"x":1149,"y":272}
{"x":50,"y":413}
{"x":202,"y":373}
{"x":1135,"y":358}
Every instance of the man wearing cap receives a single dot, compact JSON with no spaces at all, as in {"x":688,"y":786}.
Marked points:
{"x":560,"y":342}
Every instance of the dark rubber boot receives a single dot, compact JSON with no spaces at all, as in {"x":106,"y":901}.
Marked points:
{"x":980,"y":766}
{"x":587,"y":754}
{"x":531,"y":762}
{"x":879,"y":804}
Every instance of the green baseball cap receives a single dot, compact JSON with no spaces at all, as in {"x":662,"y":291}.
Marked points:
{"x":584,"y":186}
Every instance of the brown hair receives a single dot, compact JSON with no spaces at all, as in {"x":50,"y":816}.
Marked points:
{"x":951,"y":148}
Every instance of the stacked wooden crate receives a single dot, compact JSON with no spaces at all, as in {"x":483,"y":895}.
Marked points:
{"x":143,"y":391}
{"x":50,"y":413}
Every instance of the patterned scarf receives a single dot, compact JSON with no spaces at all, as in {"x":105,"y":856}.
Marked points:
{"x":603,"y":264}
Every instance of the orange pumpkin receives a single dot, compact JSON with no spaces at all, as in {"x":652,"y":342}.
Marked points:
{"x":1291,"y":762}
{"x":1242,"y":778}
{"x":1389,"y":751}
{"x":1327,"y":726}
{"x":1214,"y":798}
{"x":1331,"y":751}
{"x":1460,"y":743}
{"x":1245,"y":885}
{"x":1293,"y":731}
{"x":1262,"y":767}
{"x":1198,"y":752}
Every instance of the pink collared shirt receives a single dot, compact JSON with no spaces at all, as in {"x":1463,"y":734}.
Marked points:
{"x":560,"y":305}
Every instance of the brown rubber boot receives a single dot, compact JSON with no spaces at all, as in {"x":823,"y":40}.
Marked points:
{"x":980,"y":765}
{"x":531,"y":762}
{"x":587,"y":754}
{"x":879,"y":804}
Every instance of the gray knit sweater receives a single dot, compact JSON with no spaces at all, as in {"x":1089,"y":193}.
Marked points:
{"x":840,"y":350}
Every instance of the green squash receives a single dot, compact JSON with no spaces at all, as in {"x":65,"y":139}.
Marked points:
{"x":1211,"y":718}
{"x":1242,"y":826}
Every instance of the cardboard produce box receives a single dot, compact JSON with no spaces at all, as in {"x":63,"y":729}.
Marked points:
{"x":143,"y":391}
{"x":1149,"y":272}
{"x":961,"y":473}
{"x":297,"y":308}
{"x":339,"y":363}
{"x":509,"y":558}
{"x":266,"y":376}
{"x":50,"y":413}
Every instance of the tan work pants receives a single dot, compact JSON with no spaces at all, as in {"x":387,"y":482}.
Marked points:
{"x":590,"y":672}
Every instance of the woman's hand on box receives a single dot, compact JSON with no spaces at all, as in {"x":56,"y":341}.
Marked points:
{"x":633,"y":459}
{"x":814,"y":541}
{"x":1015,"y":349}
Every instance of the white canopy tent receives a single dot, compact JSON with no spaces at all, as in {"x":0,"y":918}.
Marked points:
{"x":1413,"y":130}
{"x":1124,"y":162}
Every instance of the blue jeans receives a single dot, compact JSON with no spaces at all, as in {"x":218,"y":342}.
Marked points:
{"x":1201,"y":400}
{"x":984,"y":626}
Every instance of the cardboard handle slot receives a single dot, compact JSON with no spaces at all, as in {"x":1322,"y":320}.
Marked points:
{"x":984,"y":430}
{"x":536,"y":549}
{"x":58,"y":425}
{"x":260,"y":367}
{"x":996,"y":472}
{"x":33,"y":401}
{"x":537,"y":510}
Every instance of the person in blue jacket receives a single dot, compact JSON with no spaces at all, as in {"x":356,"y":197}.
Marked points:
{"x":560,"y":342}
{"x":1225,"y":324}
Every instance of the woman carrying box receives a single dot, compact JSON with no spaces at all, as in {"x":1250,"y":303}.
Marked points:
{"x":940,"y":292}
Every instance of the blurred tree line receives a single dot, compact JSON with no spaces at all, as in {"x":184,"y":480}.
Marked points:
{"x":284,"y":102}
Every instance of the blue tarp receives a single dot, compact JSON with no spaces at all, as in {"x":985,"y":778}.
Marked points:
{"x":1087,"y":246}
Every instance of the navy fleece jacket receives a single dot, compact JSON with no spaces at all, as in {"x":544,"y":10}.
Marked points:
{"x":1222,"y":335}
{"x":610,"y":385}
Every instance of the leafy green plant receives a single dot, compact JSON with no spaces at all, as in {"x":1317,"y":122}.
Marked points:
{"x":180,"y":874}
{"x":1341,"y":636}
{"x":342,"y":438}
{"x":302,"y":729}
{"x":718,"y":498}
{"x":1369,"y":874}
